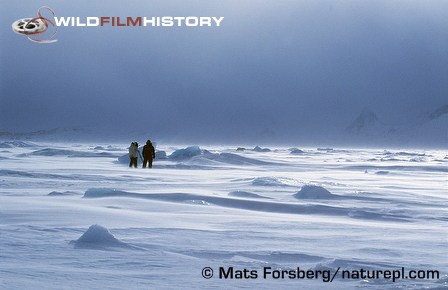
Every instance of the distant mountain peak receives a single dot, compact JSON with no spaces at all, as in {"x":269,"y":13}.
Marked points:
{"x":440,"y":111}
{"x":366,"y":119}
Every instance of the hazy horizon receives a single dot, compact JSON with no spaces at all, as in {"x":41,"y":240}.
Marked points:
{"x":293,"y":71}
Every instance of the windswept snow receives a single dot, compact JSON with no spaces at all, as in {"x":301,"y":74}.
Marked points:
{"x":213,"y":206}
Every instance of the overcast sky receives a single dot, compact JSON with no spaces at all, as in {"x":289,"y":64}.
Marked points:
{"x":281,"y":69}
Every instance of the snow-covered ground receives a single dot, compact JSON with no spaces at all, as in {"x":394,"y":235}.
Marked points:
{"x":74,"y":216}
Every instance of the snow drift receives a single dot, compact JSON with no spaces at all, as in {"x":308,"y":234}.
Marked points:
{"x":185,"y":153}
{"x":314,"y":192}
{"x":257,"y":205}
{"x":98,"y":237}
{"x":181,"y":220}
{"x":245,"y":194}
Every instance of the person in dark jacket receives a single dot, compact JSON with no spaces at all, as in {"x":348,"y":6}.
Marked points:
{"x":148,"y":154}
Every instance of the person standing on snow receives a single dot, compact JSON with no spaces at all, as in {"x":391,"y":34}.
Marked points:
{"x":148,"y":154}
{"x":133,"y":154}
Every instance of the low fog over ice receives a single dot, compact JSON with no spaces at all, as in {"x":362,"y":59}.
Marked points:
{"x":295,"y":71}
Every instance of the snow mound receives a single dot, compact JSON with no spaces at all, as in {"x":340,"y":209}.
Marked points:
{"x":274,"y":181}
{"x":245,"y":194}
{"x":296,"y":151}
{"x":185,"y":153}
{"x":314,"y":192}
{"x":98,"y":237}
{"x":259,"y":149}
{"x":13,"y":144}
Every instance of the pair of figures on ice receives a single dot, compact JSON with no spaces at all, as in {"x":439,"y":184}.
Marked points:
{"x":148,"y":154}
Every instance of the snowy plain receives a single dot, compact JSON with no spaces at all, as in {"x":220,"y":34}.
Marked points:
{"x":75,"y":216}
